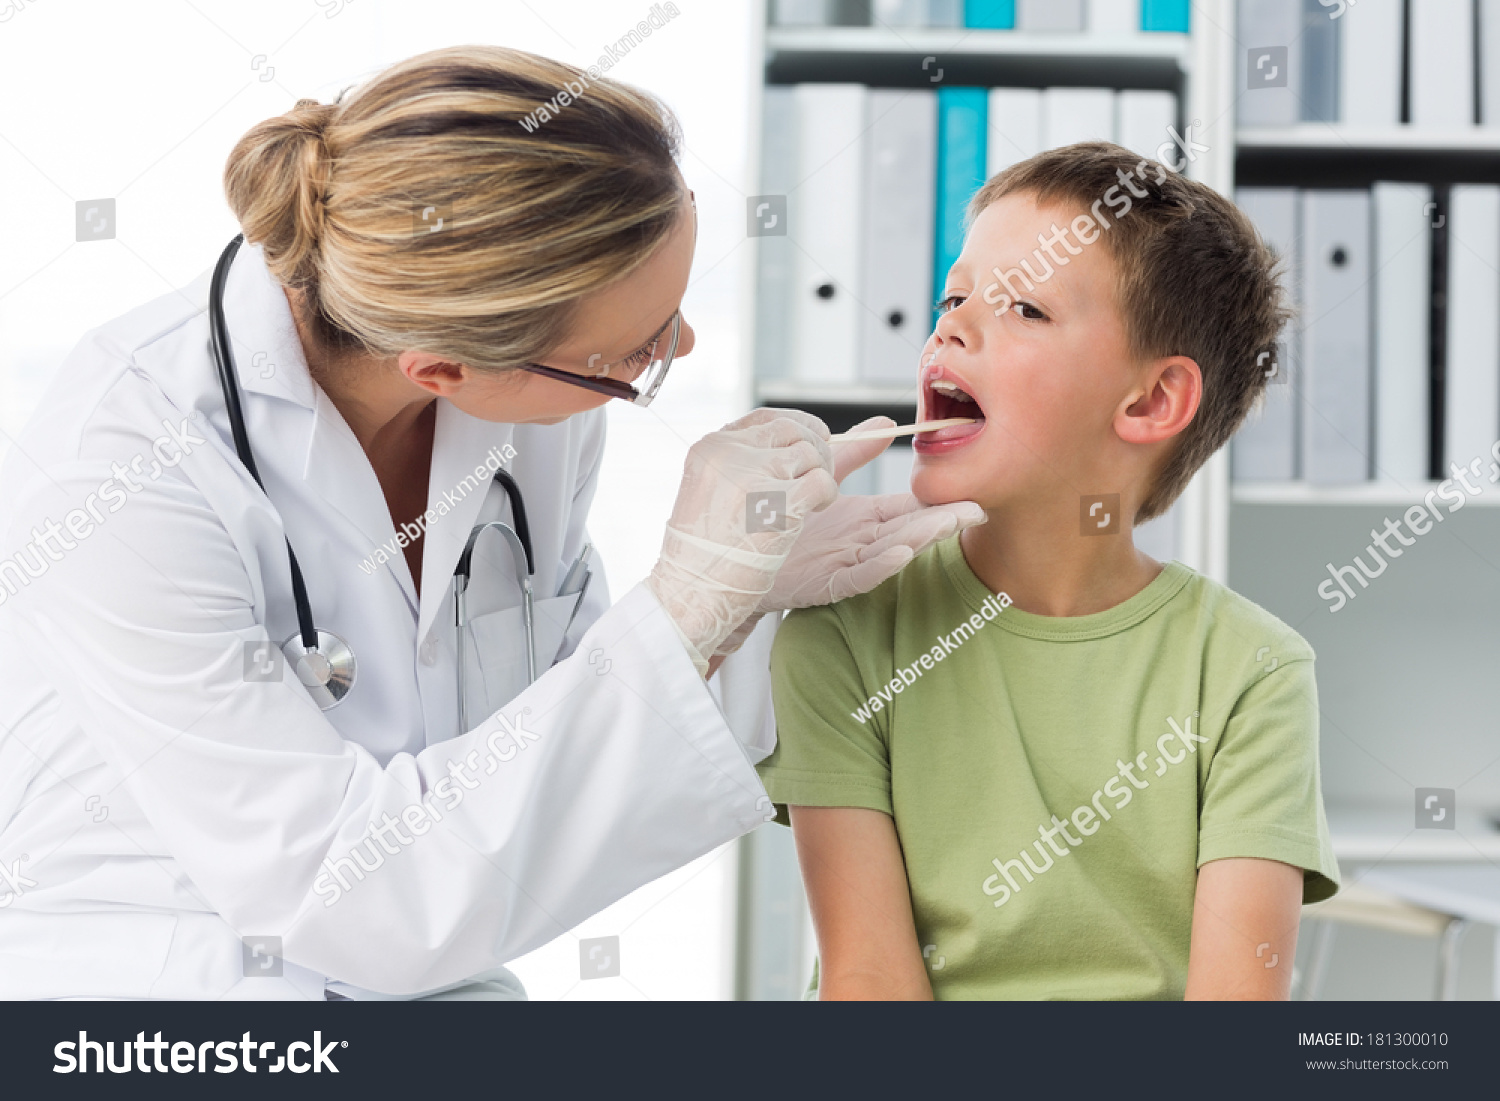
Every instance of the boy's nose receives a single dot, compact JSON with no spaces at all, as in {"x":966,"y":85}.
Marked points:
{"x":951,"y":330}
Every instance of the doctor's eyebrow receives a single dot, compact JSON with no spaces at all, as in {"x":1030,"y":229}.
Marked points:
{"x":653,"y":337}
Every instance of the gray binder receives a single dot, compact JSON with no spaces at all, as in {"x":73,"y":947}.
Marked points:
{"x":1269,"y":62}
{"x":1336,"y":336}
{"x":900,"y":196}
{"x":776,"y":252}
{"x":1265,"y":448}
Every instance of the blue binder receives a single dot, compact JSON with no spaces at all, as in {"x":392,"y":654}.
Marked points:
{"x":997,"y":15}
{"x":1165,"y":15}
{"x":962,"y":121}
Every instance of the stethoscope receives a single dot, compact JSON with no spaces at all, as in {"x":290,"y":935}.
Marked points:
{"x":324,"y":662}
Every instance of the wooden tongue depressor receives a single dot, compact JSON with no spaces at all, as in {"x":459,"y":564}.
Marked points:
{"x":899,"y":430}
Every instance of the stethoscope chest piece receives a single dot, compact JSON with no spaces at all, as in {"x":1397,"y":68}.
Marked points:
{"x":327,"y":672}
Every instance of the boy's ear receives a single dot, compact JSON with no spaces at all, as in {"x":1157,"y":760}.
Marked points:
{"x":1165,"y":404}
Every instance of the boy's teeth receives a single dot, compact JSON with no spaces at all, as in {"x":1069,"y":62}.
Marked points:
{"x":951,"y":390}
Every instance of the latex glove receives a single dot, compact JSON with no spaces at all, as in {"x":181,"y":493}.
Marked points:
{"x":857,"y":542}
{"x":720,"y":555}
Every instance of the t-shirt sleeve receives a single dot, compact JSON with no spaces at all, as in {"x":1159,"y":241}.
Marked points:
{"x":1262,"y":797}
{"x":831,"y":750}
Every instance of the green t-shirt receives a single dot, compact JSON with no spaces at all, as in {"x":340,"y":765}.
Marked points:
{"x":1176,"y":728}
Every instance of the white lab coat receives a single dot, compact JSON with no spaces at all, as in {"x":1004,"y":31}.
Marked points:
{"x":156,"y":805}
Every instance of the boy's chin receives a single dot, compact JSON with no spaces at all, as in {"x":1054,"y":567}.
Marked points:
{"x":938,"y":486}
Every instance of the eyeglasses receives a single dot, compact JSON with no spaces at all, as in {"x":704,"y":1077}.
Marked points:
{"x":654,"y":371}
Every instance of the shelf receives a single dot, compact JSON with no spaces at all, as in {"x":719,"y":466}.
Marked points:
{"x":893,"y":57}
{"x":1385,"y":139}
{"x":789,"y":390}
{"x":1382,"y":834}
{"x":1383,"y":494}
{"x":1321,"y":155}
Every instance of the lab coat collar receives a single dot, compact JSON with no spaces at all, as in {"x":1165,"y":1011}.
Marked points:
{"x":465,"y":453}
{"x":269,"y":360}
{"x":263,"y":338}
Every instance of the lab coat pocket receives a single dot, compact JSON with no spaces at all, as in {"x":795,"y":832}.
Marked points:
{"x":496,"y":660}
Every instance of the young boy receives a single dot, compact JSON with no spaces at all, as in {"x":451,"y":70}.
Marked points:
{"x":1037,"y":763}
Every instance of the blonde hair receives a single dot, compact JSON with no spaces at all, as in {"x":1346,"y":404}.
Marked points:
{"x":535,"y":218}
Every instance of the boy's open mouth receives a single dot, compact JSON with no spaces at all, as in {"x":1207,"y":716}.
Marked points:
{"x":943,"y":396}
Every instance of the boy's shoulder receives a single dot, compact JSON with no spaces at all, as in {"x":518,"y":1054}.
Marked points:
{"x":1233,"y":622}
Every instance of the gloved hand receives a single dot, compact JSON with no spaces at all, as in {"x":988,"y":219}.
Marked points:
{"x":714,"y":570}
{"x":857,"y":542}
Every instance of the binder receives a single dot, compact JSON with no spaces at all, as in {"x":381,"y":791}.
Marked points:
{"x":1403,"y":287}
{"x":1270,"y":31}
{"x":1488,"y":33}
{"x":1077,"y":114}
{"x":825,"y":225}
{"x":1370,"y":63}
{"x":1472,"y":388}
{"x":776,"y":255}
{"x":999,"y":15}
{"x":1049,"y":15}
{"x":919,"y":13}
{"x":1320,"y":64}
{"x":1166,"y":15}
{"x":901,"y":192}
{"x":1015,"y":127}
{"x":1142,"y":119}
{"x":1336,"y":336}
{"x":1114,"y":16}
{"x":1442,"y":64}
{"x":960,"y":172}
{"x":893,"y":469}
{"x":1265,"y":447}
{"x":801,"y":13}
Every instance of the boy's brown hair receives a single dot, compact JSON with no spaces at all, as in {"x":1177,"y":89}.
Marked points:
{"x":1195,"y":279}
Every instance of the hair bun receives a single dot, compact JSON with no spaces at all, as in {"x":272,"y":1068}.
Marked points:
{"x":277,"y":183}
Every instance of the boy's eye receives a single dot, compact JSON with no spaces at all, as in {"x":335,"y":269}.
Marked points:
{"x":952,"y":302}
{"x":1030,"y":312}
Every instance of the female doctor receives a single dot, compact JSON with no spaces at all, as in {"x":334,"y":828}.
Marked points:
{"x":232,"y":760}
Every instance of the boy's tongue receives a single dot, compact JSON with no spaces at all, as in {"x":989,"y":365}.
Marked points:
{"x":956,"y":432}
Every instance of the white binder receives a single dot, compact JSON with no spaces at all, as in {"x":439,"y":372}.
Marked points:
{"x":1472,"y":377}
{"x":1049,"y":15}
{"x":1442,"y":64}
{"x":1015,"y":127}
{"x":1114,"y":16}
{"x":1489,"y":62}
{"x":1265,"y":447}
{"x":1403,"y":289}
{"x":1072,"y":115}
{"x":801,"y":13}
{"x":826,"y":222}
{"x":894,"y":468}
{"x":1336,"y":336}
{"x":1370,"y":63}
{"x":1142,"y":119}
{"x":900,"y":198}
{"x":776,"y":254}
{"x":919,"y":13}
{"x":1269,"y":25}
